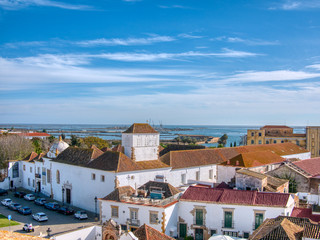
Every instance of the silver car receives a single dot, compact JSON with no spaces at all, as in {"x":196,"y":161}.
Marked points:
{"x":29,"y":197}
{"x":6,"y":202}
{"x":40,"y":217}
{"x":81,"y":215}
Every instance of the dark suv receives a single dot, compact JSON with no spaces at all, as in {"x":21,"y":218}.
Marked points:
{"x":52,"y":206}
{"x":65,"y":210}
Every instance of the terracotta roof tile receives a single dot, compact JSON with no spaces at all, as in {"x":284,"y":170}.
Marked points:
{"x":305,"y":213}
{"x":167,"y":189}
{"x":275,"y":126}
{"x":151,"y":164}
{"x":119,"y":192}
{"x":146,"y":232}
{"x":140,"y":128}
{"x":96,"y":152}
{"x":231,"y":196}
{"x":31,"y":157}
{"x":310,"y":166}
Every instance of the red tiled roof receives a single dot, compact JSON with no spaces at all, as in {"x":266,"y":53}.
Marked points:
{"x":146,"y":232}
{"x":311,"y":166}
{"x":34,"y":134}
{"x":238,"y":197}
{"x":31,"y":157}
{"x":223,"y":185}
{"x":275,"y":126}
{"x":255,"y":159}
{"x":305,"y":213}
{"x":140,"y":128}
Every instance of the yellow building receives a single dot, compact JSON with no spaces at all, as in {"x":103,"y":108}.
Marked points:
{"x":275,"y":134}
{"x":313,"y":141}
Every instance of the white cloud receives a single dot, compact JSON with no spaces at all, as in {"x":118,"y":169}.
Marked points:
{"x":252,"y":42}
{"x":314,"y":66}
{"x":189,"y":36}
{"x":174,"y":6}
{"x":125,"y":42}
{"x":289,"y":5}
{"x":19,"y":4}
{"x":266,"y":76}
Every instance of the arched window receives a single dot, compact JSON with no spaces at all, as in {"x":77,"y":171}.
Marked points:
{"x":58,"y":177}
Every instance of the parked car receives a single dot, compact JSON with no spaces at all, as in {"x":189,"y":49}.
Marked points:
{"x":52,"y":206}
{"x":29,"y":197}
{"x":81,"y":215}
{"x":65,"y":210}
{"x":3,"y":192}
{"x":14,"y":206}
{"x":40,"y":217}
{"x":28,"y":227}
{"x":6,"y":202}
{"x":25,"y":210}
{"x":19,"y":194}
{"x":40,"y":201}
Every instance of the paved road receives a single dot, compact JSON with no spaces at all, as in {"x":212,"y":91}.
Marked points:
{"x":57,"y":222}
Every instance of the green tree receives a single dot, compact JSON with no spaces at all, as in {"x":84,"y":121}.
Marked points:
{"x":223,"y":140}
{"x":230,"y":144}
{"x":36,"y":142}
{"x":63,"y":136}
{"x":98,"y":142}
{"x":75,"y":141}
{"x":51,"y":139}
{"x":235,"y":144}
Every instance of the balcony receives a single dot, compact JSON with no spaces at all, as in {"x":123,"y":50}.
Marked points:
{"x":37,"y":175}
{"x":227,"y":224}
{"x":133,"y":222}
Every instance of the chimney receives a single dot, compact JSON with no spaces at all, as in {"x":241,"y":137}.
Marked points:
{"x":237,"y":163}
{"x":60,"y":138}
{"x":228,"y":162}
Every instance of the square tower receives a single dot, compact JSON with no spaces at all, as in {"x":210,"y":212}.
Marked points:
{"x":141,"y":142}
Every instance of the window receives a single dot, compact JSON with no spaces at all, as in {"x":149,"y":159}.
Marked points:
{"x":210,"y":174}
{"x":102,"y":178}
{"x":228,"y":219}
{"x":24,"y":167}
{"x":58,"y":177}
{"x":258,"y":220}
{"x":252,"y":134}
{"x":260,"y":142}
{"x":93,"y":176}
{"x":28,"y":181}
{"x":133,"y":213}
{"x":33,"y":183}
{"x":48,"y":176}
{"x":252,"y":141}
{"x":274,"y":141}
{"x":199,"y":217}
{"x":114,"y":211}
{"x":31,"y":169}
{"x":44,"y":182}
{"x":282,"y":141}
{"x":267,"y":142}
{"x":229,"y":233}
{"x":297,"y":142}
{"x":197,"y":175}
{"x":153,"y":217}
{"x":183,"y":178}
{"x":260,"y":134}
{"x":38,"y":170}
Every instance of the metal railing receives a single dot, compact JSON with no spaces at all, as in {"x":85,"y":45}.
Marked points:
{"x":198,"y":222}
{"x":134,"y":222}
{"x":143,"y":200}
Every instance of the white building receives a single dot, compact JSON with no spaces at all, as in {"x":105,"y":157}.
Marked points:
{"x":207,"y":211}
{"x":80,"y":176}
{"x":154,"y":204}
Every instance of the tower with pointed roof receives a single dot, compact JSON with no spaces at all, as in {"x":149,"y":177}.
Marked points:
{"x":141,"y":142}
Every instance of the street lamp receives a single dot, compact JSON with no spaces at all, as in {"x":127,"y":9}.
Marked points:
{"x":9,"y":182}
{"x":95,"y":201}
{"x":63,"y":195}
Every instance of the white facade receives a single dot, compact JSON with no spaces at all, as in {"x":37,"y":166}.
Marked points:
{"x":166,"y":215}
{"x":300,"y":156}
{"x":243,"y":216}
{"x":141,"y":147}
{"x":89,"y":233}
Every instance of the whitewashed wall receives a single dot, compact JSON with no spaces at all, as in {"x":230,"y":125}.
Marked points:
{"x":243,"y":216}
{"x":300,"y":156}
{"x":143,"y":214}
{"x":28,"y":176}
{"x":17,"y":181}
{"x":225,"y":173}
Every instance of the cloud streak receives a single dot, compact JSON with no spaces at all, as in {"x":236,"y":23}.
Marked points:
{"x":125,"y":42}
{"x":20,"y":4}
{"x":290,"y":5}
{"x":250,"y":42}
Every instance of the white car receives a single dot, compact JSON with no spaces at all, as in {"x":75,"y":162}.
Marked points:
{"x":81,"y":215}
{"x":6,"y":202}
{"x":40,"y":217}
{"x":29,"y":197}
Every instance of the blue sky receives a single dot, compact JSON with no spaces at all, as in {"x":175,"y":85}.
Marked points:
{"x":214,"y":62}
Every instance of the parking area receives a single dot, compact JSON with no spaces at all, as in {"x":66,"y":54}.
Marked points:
{"x":57,"y":222}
